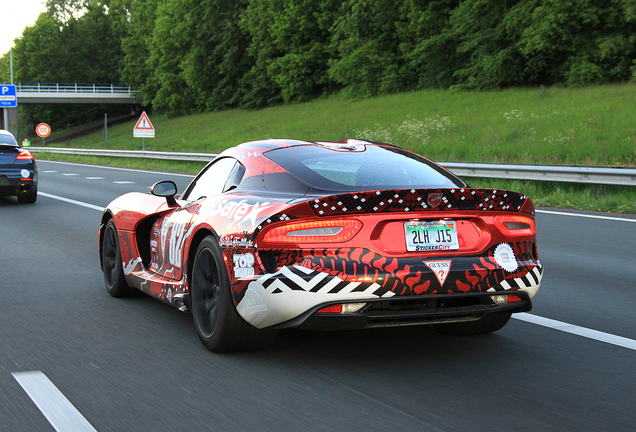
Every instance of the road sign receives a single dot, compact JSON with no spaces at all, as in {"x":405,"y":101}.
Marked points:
{"x":8,"y":97}
{"x":43,"y":130}
{"x":143,"y":128}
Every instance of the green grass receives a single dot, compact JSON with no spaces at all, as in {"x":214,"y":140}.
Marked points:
{"x":555,"y":126}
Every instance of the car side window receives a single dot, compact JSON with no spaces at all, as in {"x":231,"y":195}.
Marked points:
{"x":213,"y":180}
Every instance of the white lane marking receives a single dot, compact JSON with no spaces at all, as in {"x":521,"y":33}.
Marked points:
{"x":586,"y":216}
{"x":79,"y":203}
{"x":62,"y":415}
{"x":69,"y":174}
{"x":117,"y":168}
{"x":580,"y":331}
{"x":49,"y":171}
{"x":94,"y":178}
{"x":124,"y":182}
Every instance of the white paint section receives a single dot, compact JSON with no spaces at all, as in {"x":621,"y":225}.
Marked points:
{"x":94,"y":178}
{"x":580,"y":331}
{"x":79,"y":203}
{"x":70,"y":174}
{"x":62,"y":415}
{"x":261,"y":307}
{"x":124,"y":182}
{"x":586,"y":216}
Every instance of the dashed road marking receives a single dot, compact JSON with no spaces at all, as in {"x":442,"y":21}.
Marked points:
{"x":69,"y":174}
{"x":94,"y":178}
{"x":62,"y":415}
{"x":120,"y":169}
{"x":124,"y":182}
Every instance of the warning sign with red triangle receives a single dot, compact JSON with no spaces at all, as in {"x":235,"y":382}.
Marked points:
{"x":143,"y":128}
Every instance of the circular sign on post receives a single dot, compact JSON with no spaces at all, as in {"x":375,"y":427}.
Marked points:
{"x":43,"y":130}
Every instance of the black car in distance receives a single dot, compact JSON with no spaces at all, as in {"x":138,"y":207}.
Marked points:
{"x":18,"y":170}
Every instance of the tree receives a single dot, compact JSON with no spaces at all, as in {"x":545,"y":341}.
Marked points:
{"x":84,"y":48}
{"x":290,"y":42}
{"x":366,"y":45}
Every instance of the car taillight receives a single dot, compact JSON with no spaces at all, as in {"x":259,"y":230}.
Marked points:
{"x":514,"y":225}
{"x":24,"y":155}
{"x":321,"y":231}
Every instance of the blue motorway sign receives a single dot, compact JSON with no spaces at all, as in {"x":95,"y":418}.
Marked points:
{"x":8,"y":97}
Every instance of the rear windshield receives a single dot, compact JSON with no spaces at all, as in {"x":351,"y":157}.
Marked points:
{"x":375,"y":168}
{"x":8,"y":139}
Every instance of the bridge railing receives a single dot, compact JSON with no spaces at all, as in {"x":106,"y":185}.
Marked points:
{"x":74,"y":88}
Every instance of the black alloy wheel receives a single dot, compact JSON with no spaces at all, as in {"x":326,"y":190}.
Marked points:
{"x":114,"y":278}
{"x":218,"y":324}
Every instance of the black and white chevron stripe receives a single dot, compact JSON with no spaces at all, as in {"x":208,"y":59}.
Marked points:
{"x":532,"y":278}
{"x":298,"y":278}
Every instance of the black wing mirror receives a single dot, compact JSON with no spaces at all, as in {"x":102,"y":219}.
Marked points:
{"x":166,"y":189}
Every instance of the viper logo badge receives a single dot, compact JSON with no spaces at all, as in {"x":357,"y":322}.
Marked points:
{"x":434,"y":199}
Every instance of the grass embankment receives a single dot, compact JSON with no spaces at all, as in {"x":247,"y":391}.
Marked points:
{"x":589,"y":126}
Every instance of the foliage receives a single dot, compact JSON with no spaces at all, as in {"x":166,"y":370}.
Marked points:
{"x":192,"y":56}
{"x":289,"y":41}
{"x":84,"y":48}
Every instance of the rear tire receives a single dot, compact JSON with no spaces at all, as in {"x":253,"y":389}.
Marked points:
{"x":29,"y":197}
{"x":218,"y":324}
{"x":487,"y":324}
{"x":112,"y":265}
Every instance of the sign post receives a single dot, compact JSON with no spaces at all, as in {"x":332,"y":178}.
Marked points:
{"x":8,"y":97}
{"x":43,"y":130}
{"x":144,"y":129}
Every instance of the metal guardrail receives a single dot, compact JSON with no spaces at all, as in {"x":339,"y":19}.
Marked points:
{"x":196,"y":157}
{"x":73,"y":88}
{"x":618,"y":176}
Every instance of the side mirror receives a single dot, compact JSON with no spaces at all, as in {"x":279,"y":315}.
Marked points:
{"x":166,"y":189}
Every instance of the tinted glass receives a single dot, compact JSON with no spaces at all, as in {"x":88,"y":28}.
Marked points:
{"x":7,"y":139}
{"x":212,"y":181}
{"x":375,"y":168}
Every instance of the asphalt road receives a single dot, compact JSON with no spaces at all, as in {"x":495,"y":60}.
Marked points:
{"x":137,"y":365}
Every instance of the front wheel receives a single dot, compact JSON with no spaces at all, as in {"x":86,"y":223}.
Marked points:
{"x":112,"y":267}
{"x":218,"y":324}
{"x":487,"y":324}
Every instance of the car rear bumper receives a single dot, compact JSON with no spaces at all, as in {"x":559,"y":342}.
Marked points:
{"x":293,"y":296}
{"x":432,"y":309}
{"x":13,"y":186}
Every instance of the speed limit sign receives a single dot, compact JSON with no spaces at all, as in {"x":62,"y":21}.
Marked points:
{"x":43,"y":130}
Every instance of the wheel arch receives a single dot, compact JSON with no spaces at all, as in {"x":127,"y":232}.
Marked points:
{"x":197,"y":238}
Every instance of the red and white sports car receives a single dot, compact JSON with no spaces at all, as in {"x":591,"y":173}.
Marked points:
{"x":324,"y":235}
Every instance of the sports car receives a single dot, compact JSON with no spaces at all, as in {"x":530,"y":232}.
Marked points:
{"x":356,"y":234}
{"x":18,"y":170}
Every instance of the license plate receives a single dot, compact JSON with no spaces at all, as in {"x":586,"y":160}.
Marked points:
{"x":431,"y":236}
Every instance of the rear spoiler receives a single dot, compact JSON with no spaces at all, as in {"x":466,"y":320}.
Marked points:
{"x":417,"y":200}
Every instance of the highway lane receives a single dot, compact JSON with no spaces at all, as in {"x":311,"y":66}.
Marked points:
{"x":136,"y":364}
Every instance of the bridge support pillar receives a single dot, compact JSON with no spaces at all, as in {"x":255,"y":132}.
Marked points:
{"x":10,"y":120}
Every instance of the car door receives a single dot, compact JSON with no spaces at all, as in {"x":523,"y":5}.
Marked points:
{"x":172,"y":229}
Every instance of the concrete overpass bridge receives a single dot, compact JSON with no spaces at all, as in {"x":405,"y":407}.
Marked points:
{"x":66,"y":93}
